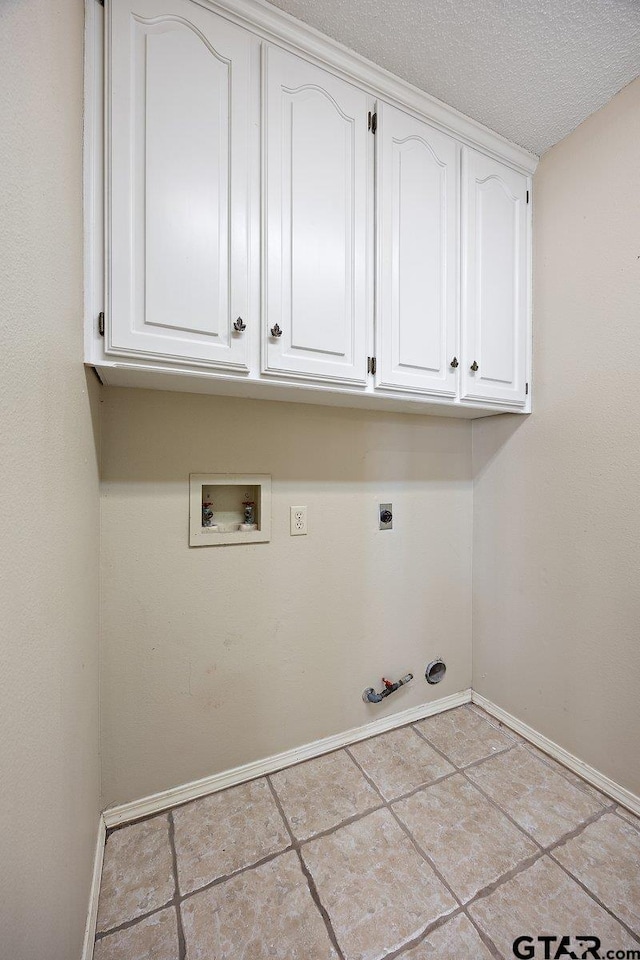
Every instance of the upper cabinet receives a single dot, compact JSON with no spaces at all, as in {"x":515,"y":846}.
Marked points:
{"x":179,"y":150}
{"x":495,"y":281}
{"x":317,"y":205}
{"x":417,"y":237}
{"x":269,"y":216}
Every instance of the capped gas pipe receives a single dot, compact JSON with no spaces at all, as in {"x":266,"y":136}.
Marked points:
{"x":370,"y":696}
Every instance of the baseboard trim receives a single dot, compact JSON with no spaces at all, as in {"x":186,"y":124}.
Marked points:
{"x":598,"y":780}
{"x":94,"y":893}
{"x":157,"y":802}
{"x":136,"y":809}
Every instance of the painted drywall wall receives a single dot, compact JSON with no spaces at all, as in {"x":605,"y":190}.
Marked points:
{"x":49,"y":502}
{"x":556,"y":508}
{"x":216,"y":656}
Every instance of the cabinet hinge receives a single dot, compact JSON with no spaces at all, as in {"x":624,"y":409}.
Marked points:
{"x":101,"y":324}
{"x":372,"y":123}
{"x":526,"y":389}
{"x":527,"y":196}
{"x":371,"y":364}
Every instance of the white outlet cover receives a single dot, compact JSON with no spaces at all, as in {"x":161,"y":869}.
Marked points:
{"x":298,"y":521}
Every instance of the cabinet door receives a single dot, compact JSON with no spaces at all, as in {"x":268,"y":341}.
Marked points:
{"x":495,"y":281}
{"x":181,"y":108}
{"x":316,"y":222}
{"x":417,"y":259}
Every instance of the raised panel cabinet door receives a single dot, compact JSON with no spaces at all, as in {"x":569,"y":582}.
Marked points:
{"x":316,"y":222}
{"x":180,"y":190}
{"x":417,"y":172}
{"x":495,"y":281}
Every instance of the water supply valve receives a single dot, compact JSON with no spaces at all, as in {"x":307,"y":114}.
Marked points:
{"x":370,"y":696}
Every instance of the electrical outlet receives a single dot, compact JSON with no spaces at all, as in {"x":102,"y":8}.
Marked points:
{"x":298,"y":521}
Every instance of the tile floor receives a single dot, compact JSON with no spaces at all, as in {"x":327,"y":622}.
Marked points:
{"x":447,"y":839}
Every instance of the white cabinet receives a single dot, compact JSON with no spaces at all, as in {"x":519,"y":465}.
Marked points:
{"x":283,"y":220}
{"x":317,"y":209}
{"x":180,"y":155}
{"x":417,"y":255}
{"x":495,"y":281}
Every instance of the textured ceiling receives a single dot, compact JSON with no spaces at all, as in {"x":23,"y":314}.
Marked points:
{"x":531,"y":70}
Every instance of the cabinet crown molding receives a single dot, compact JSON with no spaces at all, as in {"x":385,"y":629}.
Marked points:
{"x":275,"y":25}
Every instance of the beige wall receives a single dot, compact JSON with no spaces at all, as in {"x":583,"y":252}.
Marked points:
{"x":215,"y":656}
{"x":49,"y":764}
{"x":557,"y":496}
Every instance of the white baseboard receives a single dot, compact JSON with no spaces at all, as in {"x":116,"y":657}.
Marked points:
{"x":158,"y":802}
{"x":598,"y":780}
{"x":94,"y":893}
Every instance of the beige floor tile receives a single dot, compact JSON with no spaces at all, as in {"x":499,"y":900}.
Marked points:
{"x":471,"y":843}
{"x":542,"y":801}
{"x":229,"y":830}
{"x":570,"y":775}
{"x":137,"y":873}
{"x":457,"y":939}
{"x":379,"y":892}
{"x":399,"y":761}
{"x":544,"y":901}
{"x":605,"y":857}
{"x":262,"y":914}
{"x":155,"y":938}
{"x":321,"y":793}
{"x":495,"y":722}
{"x":463,"y":736}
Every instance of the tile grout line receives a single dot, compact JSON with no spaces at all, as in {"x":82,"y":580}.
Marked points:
{"x":236,"y":873}
{"x":548,"y":852}
{"x":181,"y":897}
{"x":586,"y":889}
{"x":404,"y":948}
{"x":593,"y":896}
{"x":462,"y":907}
{"x":182,"y":945}
{"x":539,"y":855}
{"x":313,"y":890}
{"x":126,"y":924}
{"x":343,"y":823}
{"x":616,"y":812}
{"x":449,"y":914}
{"x":407,"y":832}
{"x":538,"y":752}
{"x":462,"y":772}
{"x":485,"y":938}
{"x":543,"y":850}
{"x":559,"y":768}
